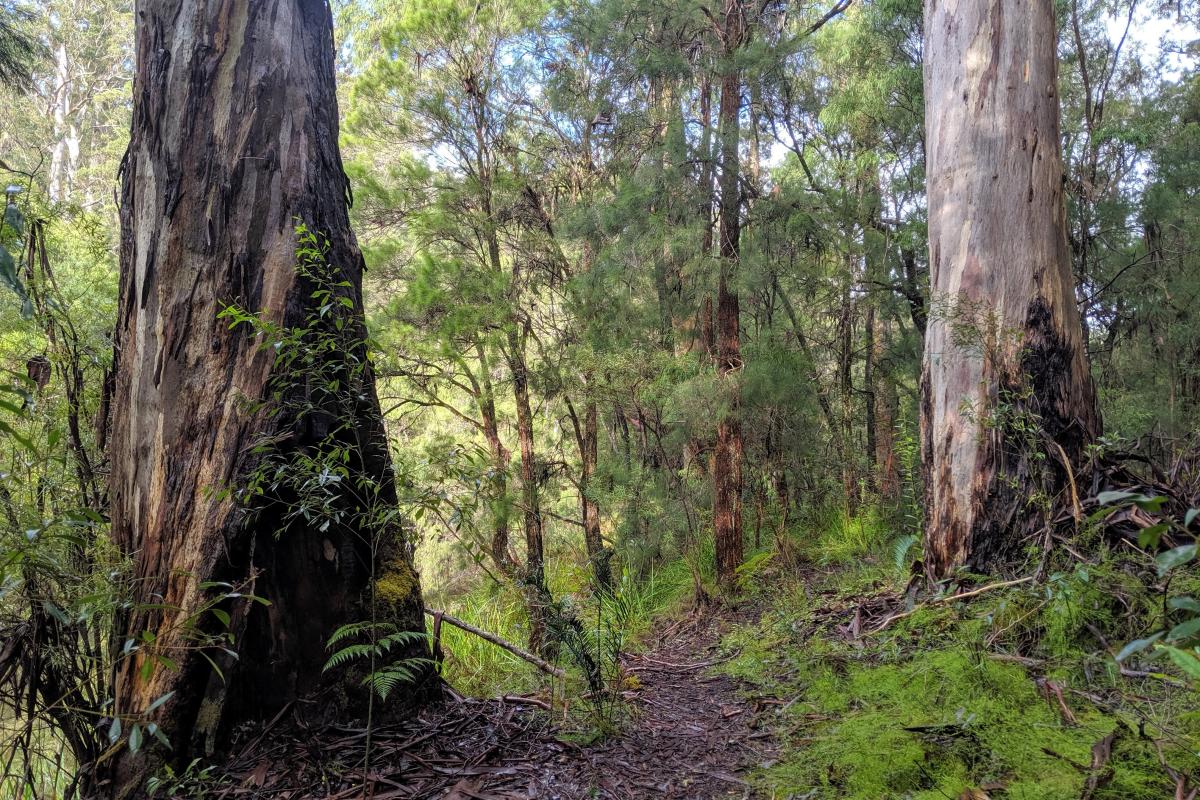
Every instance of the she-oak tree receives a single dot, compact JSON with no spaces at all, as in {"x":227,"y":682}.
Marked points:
{"x":1008,"y":406}
{"x":234,"y":142}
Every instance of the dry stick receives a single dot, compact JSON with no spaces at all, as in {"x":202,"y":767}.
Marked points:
{"x":541,"y":664}
{"x":950,"y":599}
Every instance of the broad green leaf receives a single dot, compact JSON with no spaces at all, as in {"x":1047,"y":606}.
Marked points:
{"x":1138,"y":645}
{"x":1184,"y":630}
{"x":1149,"y":537}
{"x":158,"y":703}
{"x":1173,"y":558}
{"x":1186,"y":660}
{"x":1184,"y":603}
{"x":1151,"y":504}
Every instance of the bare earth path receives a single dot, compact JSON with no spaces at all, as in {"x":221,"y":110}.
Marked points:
{"x":692,"y":735}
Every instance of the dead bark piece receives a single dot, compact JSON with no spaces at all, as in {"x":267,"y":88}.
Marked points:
{"x":1054,"y":694}
{"x":1101,"y":773}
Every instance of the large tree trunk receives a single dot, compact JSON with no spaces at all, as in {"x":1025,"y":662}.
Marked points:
{"x":1007,"y":403}
{"x":727,"y":453}
{"x":234,"y":141}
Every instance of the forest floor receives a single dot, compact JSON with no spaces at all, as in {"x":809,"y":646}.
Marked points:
{"x":827,"y":683}
{"x":688,"y":732}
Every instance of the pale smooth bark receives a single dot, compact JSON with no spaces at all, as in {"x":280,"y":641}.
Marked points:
{"x":1005,"y":374}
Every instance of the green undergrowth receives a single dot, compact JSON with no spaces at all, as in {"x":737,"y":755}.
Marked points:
{"x":961,"y":697}
{"x":479,"y":668}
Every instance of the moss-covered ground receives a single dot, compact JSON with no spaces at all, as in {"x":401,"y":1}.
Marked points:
{"x":1001,"y":696}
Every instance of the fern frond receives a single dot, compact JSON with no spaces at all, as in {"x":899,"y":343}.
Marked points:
{"x":403,"y":638}
{"x":349,"y":653}
{"x":354,"y":630}
{"x":901,"y":548}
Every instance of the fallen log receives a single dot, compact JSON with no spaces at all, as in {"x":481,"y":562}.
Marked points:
{"x":540,"y":663}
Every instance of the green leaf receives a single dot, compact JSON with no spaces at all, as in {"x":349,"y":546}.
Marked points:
{"x":1151,"y":504}
{"x":1138,"y":645}
{"x":1190,"y":517}
{"x":135,"y":738}
{"x":1113,"y":498}
{"x":1184,"y":604}
{"x":157,"y":733}
{"x":214,"y":665}
{"x":158,"y":703}
{"x":1149,"y":537}
{"x":22,"y":440}
{"x":1173,"y":558}
{"x":1184,"y":630}
{"x":222,"y":615}
{"x":1186,"y":660}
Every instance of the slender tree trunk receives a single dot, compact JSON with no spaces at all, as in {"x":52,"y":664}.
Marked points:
{"x":501,"y":555}
{"x":1008,"y":405}
{"x":886,"y":403}
{"x":845,"y":432}
{"x":727,"y":453}
{"x":535,"y":570}
{"x":587,"y":438}
{"x":234,"y":140}
{"x":871,"y":417}
{"x":597,"y":553}
{"x":912,"y":291}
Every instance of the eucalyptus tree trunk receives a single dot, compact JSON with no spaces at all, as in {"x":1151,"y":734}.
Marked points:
{"x":727,"y":452}
{"x":1008,"y":406}
{"x":234,"y":142}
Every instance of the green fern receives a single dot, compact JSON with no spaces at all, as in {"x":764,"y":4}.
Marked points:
{"x":901,"y":550}
{"x":352,"y":630}
{"x":387,"y":677}
{"x":347,"y":654}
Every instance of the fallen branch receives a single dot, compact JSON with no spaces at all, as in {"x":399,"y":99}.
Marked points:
{"x":948,"y":599}
{"x":540,"y":663}
{"x":529,"y":701}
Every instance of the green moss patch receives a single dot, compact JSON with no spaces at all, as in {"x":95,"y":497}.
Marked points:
{"x":940,"y":704}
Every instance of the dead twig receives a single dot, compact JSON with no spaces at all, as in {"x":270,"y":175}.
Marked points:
{"x":948,"y":599}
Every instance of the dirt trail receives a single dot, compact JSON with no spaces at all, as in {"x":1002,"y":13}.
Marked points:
{"x":692,"y":735}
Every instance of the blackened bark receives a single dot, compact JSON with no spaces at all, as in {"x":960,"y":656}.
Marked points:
{"x":234,"y":141}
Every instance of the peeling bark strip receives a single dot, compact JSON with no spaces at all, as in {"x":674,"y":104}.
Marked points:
{"x":234,"y":140}
{"x":1005,"y":349}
